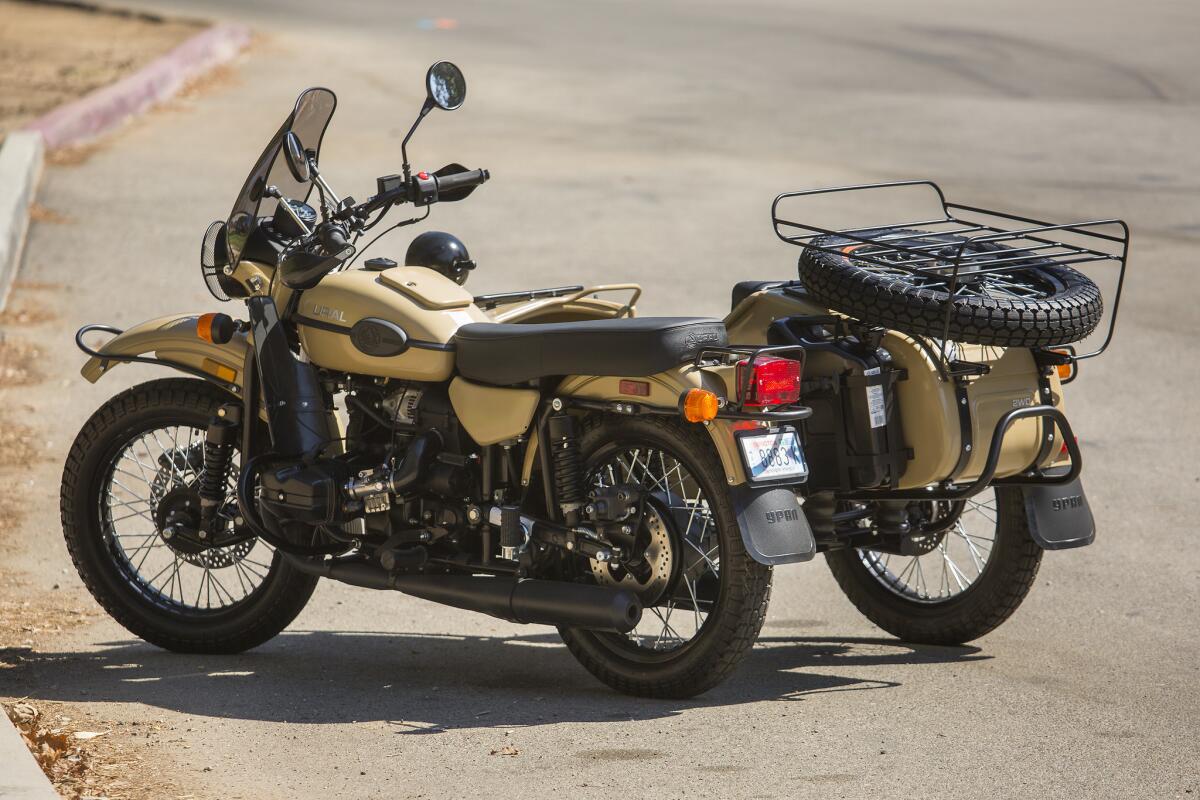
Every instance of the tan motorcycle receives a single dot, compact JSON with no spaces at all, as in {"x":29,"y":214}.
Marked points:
{"x":629,"y":480}
{"x":935,"y":356}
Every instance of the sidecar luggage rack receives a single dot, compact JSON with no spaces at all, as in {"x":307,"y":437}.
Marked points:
{"x":1027,"y":243}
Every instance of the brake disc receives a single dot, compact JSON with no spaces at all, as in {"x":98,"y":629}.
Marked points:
{"x":659,"y":559}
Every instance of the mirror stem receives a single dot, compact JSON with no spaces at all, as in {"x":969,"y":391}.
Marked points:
{"x":425,"y":109}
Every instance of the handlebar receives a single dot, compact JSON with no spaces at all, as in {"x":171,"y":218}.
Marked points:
{"x":422,"y":189}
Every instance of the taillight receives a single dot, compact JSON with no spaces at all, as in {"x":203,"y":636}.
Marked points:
{"x":774,"y":382}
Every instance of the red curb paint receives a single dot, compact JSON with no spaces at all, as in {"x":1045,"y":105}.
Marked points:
{"x":106,"y":108}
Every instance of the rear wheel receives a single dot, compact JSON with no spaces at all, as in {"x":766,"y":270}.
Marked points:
{"x":136,"y":464}
{"x":960,"y":584}
{"x":705,"y":598}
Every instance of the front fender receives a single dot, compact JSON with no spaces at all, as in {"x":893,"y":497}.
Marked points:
{"x":173,"y":339}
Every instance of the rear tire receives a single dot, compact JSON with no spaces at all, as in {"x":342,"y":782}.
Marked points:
{"x":100,"y":556}
{"x":729,"y":629}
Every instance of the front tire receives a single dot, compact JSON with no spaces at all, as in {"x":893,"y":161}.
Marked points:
{"x":719,"y":592}
{"x":137,"y":452}
{"x":999,"y":559}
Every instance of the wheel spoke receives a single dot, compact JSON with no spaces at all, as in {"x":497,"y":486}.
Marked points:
{"x":933,"y":574}
{"x":177,"y":574}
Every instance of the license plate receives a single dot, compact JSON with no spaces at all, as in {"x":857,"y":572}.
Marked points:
{"x":773,"y":456}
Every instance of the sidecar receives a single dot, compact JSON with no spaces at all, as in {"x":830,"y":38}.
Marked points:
{"x":942,"y":462}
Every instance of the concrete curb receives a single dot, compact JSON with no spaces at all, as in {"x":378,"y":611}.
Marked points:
{"x":21,"y":778}
{"x":105,"y":109}
{"x":21,"y":156}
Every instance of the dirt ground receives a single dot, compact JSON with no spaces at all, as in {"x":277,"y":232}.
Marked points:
{"x":51,"y":54}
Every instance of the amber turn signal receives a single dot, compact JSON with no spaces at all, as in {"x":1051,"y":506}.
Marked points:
{"x":215,"y":328}
{"x":1065,"y":371}
{"x":699,"y":405}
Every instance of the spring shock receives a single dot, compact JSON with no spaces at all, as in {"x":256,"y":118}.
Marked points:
{"x":568,"y":467}
{"x":218,"y":461}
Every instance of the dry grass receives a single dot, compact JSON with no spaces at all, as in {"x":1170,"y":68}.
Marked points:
{"x":18,"y":445}
{"x":88,"y":757}
{"x":53,"y":54}
{"x":27,"y":312}
{"x":39,"y":213}
{"x":18,"y":363}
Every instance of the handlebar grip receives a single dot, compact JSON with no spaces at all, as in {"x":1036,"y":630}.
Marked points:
{"x":333,"y":238}
{"x":462,"y":180}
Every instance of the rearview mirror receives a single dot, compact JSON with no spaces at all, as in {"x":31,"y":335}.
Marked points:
{"x":446,"y":86}
{"x":297,"y":160}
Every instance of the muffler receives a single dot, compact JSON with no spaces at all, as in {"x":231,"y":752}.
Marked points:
{"x":529,"y":601}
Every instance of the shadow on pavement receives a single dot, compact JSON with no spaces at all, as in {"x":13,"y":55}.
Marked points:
{"x":428,"y":683}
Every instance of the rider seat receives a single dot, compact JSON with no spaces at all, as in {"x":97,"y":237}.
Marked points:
{"x":504,"y":354}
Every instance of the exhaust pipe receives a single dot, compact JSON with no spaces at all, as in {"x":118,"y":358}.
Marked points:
{"x":529,"y":601}
{"x":538,"y":602}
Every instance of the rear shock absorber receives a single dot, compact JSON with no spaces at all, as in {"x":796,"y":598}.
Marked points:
{"x":218,"y":461}
{"x":568,"y":467}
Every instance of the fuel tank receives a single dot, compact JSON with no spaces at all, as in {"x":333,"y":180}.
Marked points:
{"x":395,"y":323}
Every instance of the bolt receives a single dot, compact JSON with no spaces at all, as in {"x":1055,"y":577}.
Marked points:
{"x":203,"y":534}
{"x":963,"y":401}
{"x":1050,"y":438}
{"x":967,"y":448}
{"x":238,"y":521}
{"x":169,"y":532}
{"x":228,"y":270}
{"x":282,"y":495}
{"x":570,"y":545}
{"x":589,"y":510}
{"x":626,"y":529}
{"x":557,"y":404}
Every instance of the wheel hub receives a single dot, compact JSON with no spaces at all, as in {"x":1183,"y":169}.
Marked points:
{"x":650,"y":577}
{"x":177,"y":518}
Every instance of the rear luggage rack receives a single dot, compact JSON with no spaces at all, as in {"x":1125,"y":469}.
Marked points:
{"x":1028,"y":243}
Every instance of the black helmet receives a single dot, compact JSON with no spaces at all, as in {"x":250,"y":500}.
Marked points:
{"x":440,"y":251}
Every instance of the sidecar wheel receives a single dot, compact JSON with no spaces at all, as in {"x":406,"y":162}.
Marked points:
{"x":967,"y":584}
{"x":139,"y":456}
{"x":705,"y":598}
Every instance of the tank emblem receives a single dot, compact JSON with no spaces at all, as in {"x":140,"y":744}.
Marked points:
{"x":378,"y":337}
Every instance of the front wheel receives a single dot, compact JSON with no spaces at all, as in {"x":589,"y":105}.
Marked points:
{"x":705,"y":598}
{"x":960,"y":583}
{"x":136,"y":465}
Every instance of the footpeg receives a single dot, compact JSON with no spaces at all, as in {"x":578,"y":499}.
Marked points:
{"x":512,"y":535}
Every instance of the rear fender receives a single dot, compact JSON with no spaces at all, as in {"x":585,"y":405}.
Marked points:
{"x":664,"y":391}
{"x":173,"y":339}
{"x":773,"y":526}
{"x":1059,"y":516}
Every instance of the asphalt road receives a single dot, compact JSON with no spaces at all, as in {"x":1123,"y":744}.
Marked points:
{"x":644,"y":141}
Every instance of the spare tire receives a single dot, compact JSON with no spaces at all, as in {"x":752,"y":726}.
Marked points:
{"x":1036,"y":304}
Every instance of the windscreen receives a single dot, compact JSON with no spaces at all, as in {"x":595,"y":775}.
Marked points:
{"x":308,"y":120}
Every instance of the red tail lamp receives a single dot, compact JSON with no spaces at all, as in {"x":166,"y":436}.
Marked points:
{"x":772,"y":382}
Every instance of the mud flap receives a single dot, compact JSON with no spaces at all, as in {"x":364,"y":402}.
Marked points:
{"x":774,"y":528}
{"x":1059,"y":516}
